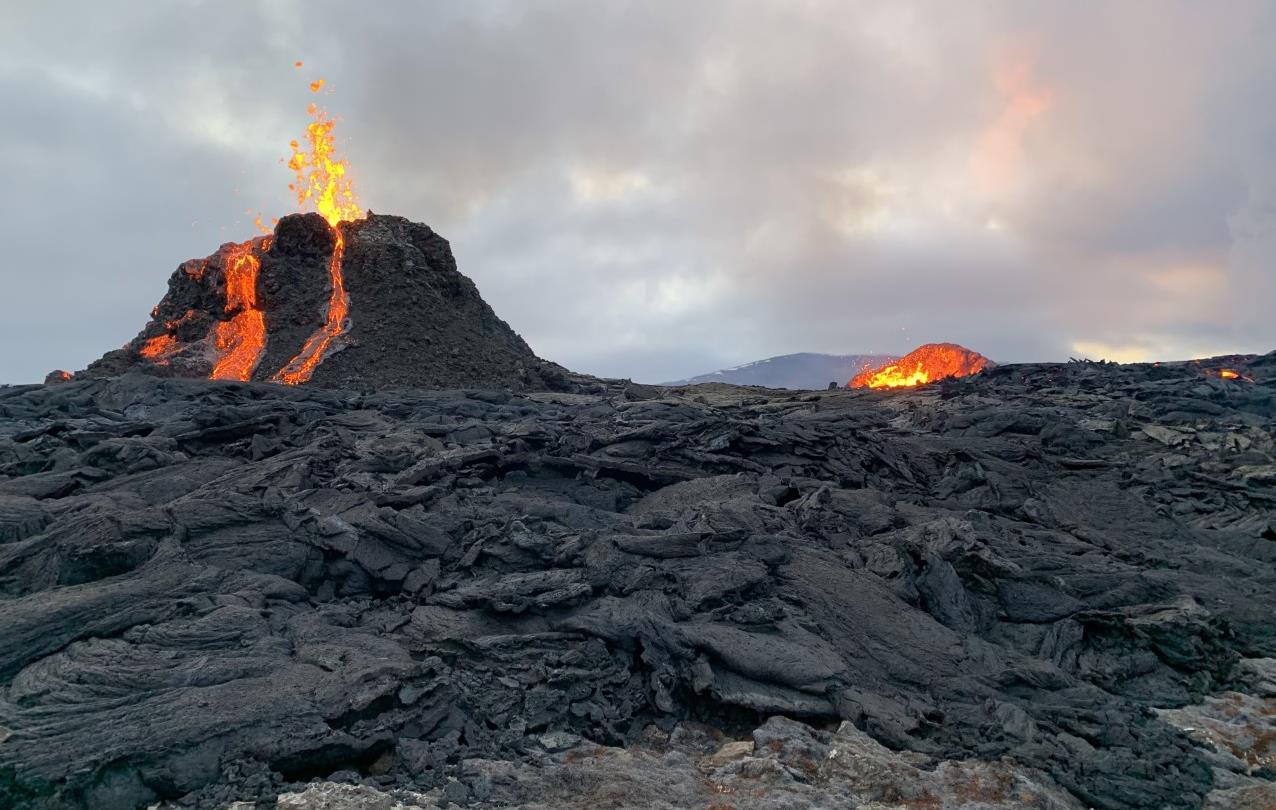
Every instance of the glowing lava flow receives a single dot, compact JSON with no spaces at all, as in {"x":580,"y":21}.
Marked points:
{"x":925,"y":364}
{"x":1229,"y":374}
{"x":894,"y":376}
{"x":159,"y":348}
{"x":237,"y":340}
{"x":299,"y":368}
{"x":242,"y":339}
{"x":322,"y":178}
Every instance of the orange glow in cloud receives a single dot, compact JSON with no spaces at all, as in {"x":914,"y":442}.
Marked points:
{"x":998,"y":161}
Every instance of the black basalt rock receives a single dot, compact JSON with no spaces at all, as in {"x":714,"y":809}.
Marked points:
{"x":214,"y":591}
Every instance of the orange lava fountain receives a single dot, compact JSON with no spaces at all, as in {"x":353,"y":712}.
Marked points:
{"x":236,"y":344}
{"x":321,"y":178}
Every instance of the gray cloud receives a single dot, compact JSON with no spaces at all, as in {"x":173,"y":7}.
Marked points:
{"x":656,"y":189}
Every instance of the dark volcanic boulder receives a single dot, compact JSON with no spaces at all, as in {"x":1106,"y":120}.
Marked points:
{"x":252,"y":310}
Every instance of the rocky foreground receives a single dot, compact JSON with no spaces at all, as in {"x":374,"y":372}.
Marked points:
{"x":1043,"y":586}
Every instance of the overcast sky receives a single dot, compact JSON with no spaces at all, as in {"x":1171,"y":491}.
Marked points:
{"x":657,"y":189}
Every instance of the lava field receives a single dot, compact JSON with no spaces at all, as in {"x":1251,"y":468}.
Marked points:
{"x":1023,"y":588}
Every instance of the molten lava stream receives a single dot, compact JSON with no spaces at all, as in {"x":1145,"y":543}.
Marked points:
{"x":321,"y":178}
{"x":299,"y":369}
{"x":242,"y":339}
{"x":929,"y":362}
{"x":158,"y":348}
{"x":895,"y":377}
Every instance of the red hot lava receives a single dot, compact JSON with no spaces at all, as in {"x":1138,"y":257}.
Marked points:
{"x":927,"y":363}
{"x":235,"y":344}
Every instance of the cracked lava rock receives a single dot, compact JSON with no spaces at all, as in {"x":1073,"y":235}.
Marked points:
{"x":214,"y":592}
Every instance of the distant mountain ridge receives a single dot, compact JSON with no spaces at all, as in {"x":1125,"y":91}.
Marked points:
{"x":804,"y":370}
